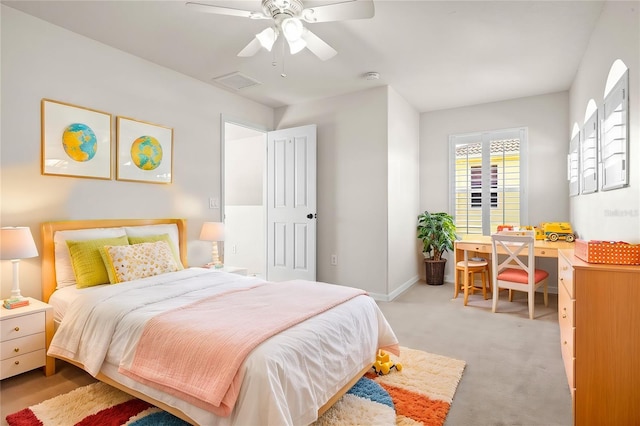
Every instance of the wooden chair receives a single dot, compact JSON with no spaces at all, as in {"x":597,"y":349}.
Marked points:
{"x":468,"y":268}
{"x":513,"y":273}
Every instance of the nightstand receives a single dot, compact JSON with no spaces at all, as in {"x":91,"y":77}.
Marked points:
{"x":235,"y":270}
{"x":25,"y":334}
{"x":231,"y":269}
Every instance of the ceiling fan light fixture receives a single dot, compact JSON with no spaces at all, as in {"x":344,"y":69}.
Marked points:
{"x":267,"y":38}
{"x":292,"y":29}
{"x":296,"y":46}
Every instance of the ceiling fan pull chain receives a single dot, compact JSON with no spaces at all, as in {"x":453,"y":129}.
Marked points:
{"x":283,"y":74}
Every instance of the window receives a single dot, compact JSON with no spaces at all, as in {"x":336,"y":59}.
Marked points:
{"x":615,"y":136}
{"x":488,"y":180}
{"x":476,"y":186}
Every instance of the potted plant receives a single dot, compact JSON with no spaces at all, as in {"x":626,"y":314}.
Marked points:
{"x":438,"y":233}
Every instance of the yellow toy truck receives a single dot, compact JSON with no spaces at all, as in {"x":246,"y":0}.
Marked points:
{"x":554,"y":231}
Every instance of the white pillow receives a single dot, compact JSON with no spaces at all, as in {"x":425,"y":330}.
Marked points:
{"x":146,"y":230}
{"x":64,"y":271}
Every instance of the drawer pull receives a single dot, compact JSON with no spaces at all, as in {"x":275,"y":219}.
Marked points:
{"x":17,"y":363}
{"x":565,"y":342}
{"x":16,"y":349}
{"x":17,"y":329}
{"x":543,"y":252}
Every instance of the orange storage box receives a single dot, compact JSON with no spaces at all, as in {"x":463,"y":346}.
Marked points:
{"x":612,"y":252}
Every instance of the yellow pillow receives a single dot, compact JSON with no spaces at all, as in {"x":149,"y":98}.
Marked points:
{"x":136,"y":261}
{"x":86,"y":260}
{"x":159,"y":237}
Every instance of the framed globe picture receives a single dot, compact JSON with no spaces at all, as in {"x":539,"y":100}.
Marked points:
{"x":76,"y":141}
{"x":145,"y":151}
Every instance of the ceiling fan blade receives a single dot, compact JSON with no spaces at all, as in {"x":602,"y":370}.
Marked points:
{"x":207,"y":8}
{"x":250,"y":49}
{"x":318,"y":46}
{"x":352,"y":9}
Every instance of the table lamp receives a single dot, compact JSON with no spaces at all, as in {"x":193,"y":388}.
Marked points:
{"x":213,"y":231}
{"x":16,"y":243}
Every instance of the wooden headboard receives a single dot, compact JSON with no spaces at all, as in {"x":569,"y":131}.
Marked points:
{"x":49,"y":229}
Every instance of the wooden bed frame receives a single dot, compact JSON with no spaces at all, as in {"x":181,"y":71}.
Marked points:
{"x":49,"y":229}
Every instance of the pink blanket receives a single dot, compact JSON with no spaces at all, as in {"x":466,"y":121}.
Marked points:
{"x":195,"y":352}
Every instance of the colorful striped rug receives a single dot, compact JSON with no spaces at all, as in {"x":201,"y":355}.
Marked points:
{"x":420,"y":394}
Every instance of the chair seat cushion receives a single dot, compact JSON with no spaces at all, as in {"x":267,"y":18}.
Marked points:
{"x":471,"y":264}
{"x":521,"y":276}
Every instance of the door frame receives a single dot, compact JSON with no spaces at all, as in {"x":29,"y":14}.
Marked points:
{"x":224,"y":119}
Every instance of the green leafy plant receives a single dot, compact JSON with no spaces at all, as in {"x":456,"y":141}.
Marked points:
{"x":437,"y":232}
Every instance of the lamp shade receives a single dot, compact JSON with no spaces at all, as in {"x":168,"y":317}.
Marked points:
{"x":17,"y":243}
{"x":212,"y":231}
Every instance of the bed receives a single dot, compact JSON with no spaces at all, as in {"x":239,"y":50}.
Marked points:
{"x":290,"y":375}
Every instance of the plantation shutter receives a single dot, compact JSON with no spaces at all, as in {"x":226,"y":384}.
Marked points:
{"x":487,"y":180}
{"x":615,"y":136}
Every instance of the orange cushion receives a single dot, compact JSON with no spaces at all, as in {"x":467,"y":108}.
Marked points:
{"x":521,"y":276}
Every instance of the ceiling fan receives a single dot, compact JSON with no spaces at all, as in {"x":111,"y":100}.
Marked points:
{"x":287,"y":16}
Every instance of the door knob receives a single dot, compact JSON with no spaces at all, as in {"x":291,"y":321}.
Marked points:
{"x":310,"y":216}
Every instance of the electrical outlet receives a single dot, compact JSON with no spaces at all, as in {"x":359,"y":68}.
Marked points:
{"x":334,"y":259}
{"x":214,"y":203}
{"x":234,"y":249}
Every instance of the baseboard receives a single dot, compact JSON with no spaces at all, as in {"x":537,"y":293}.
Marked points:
{"x":397,"y":292}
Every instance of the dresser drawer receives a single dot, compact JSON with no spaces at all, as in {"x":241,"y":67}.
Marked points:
{"x":22,"y":345}
{"x":20,"y":364}
{"x":565,"y":276}
{"x":24,"y":325}
{"x":566,"y":308}
{"x":567,"y":339}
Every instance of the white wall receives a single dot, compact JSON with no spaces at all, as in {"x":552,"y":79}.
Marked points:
{"x":352,"y":185}
{"x":611,"y":215}
{"x":40,"y":60}
{"x":403,"y":247}
{"x":547,"y":120}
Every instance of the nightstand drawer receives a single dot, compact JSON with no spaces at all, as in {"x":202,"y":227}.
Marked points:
{"x":22,"y":345}
{"x":20,"y":364}
{"x":12,"y":328}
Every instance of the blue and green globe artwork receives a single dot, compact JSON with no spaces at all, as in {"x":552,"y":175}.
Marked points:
{"x":146,"y":153}
{"x":79,"y":142}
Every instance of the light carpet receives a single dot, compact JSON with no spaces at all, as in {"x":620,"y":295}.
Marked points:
{"x":420,"y":394}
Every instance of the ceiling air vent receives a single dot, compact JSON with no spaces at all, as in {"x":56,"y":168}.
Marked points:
{"x":236,"y":81}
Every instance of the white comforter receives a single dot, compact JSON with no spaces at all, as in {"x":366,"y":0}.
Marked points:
{"x":287,"y":378}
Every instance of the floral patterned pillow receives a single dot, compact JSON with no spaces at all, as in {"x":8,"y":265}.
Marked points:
{"x":126,"y":263}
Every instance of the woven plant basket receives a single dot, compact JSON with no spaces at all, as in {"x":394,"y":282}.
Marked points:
{"x":434,"y":270}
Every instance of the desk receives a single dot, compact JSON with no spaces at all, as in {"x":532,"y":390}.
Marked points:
{"x":474,"y":245}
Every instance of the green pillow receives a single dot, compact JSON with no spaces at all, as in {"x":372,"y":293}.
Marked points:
{"x":160,"y":237}
{"x":86,"y":260}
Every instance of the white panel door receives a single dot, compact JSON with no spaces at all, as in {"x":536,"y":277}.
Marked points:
{"x":291,"y":204}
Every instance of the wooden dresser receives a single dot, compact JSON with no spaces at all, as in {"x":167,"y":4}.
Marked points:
{"x":599,"y":316}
